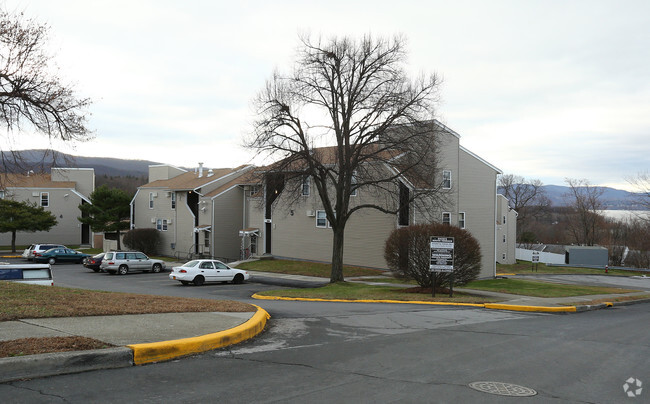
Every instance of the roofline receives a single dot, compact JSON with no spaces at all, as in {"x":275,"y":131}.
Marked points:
{"x":81,"y":196}
{"x":225,"y":190}
{"x":495,"y":168}
{"x":168,"y":165}
{"x":222,"y":177}
{"x":72,"y":168}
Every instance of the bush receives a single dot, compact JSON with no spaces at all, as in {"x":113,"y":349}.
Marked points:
{"x":408,"y":254}
{"x":145,"y":240}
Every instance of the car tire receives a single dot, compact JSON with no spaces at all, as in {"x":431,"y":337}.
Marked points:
{"x":185,"y":283}
{"x":156,"y":268}
{"x":51,"y":261}
{"x":199,"y":280}
{"x":123,"y":270}
{"x":238,"y":279}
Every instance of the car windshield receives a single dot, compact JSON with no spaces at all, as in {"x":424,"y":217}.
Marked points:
{"x":100,"y":255}
{"x":190,"y":264}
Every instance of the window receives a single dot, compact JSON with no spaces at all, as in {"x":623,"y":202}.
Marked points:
{"x":2,"y":194}
{"x":164,"y":225}
{"x":45,"y":199}
{"x":321,"y":218}
{"x":206,"y":239}
{"x":140,"y":256}
{"x":446,"y":179}
{"x":254,"y":190}
{"x":504,"y":219}
{"x":159,"y":224}
{"x":446,"y":218}
{"x":461,"y":220}
{"x":173,"y":200}
{"x":305,"y":186}
{"x":504,"y":238}
{"x":503,"y":257}
{"x":131,"y":256}
{"x":206,"y":265}
{"x":150,"y":200}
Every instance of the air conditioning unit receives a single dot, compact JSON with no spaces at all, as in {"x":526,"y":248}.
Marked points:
{"x":155,"y":194}
{"x":169,"y":194}
{"x":34,"y":194}
{"x":153,"y":220}
{"x":169,"y":221}
{"x":311,"y":213}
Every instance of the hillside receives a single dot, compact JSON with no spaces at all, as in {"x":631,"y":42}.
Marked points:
{"x":614,"y":199}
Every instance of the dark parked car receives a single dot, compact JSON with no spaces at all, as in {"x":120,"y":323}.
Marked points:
{"x":54,"y":255}
{"x":94,"y":262}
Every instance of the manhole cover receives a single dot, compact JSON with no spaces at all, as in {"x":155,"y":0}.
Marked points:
{"x":503,"y":389}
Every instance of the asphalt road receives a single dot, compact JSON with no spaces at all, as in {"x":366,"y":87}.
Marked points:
{"x":347,"y":352}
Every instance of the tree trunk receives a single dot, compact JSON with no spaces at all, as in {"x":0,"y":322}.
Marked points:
{"x":13,"y":241}
{"x":119,"y":246}
{"x":337,"y":255}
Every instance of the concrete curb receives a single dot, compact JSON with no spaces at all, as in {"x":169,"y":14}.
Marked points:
{"x":50,"y":364}
{"x":491,"y":306}
{"x":58,"y":363}
{"x":165,"y":350}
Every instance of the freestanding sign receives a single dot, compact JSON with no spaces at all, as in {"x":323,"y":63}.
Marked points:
{"x":442,"y":260}
{"x":442,"y":254}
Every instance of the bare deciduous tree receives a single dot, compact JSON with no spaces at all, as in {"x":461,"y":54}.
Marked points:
{"x":355,"y":97}
{"x":31,"y":94}
{"x":584,"y":220}
{"x":527,"y":197}
{"x":642,"y":184}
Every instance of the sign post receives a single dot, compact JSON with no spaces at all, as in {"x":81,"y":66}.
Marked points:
{"x":535,"y":261}
{"x":442,"y":260}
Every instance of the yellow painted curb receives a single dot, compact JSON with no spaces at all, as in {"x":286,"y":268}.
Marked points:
{"x":307,"y":299}
{"x":493,"y":306}
{"x":543,"y":309}
{"x":165,"y":350}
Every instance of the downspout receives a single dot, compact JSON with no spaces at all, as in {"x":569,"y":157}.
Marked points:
{"x":213,"y":228}
{"x":495,"y":225}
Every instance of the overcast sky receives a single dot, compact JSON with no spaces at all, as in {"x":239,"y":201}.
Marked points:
{"x":543,"y":89}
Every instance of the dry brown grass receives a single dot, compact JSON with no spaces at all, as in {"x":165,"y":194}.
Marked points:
{"x":33,"y":301}
{"x":31,"y":346}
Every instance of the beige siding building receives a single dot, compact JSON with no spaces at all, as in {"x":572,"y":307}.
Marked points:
{"x":299,"y":230}
{"x":506,"y":232}
{"x":60,"y":193}
{"x":180,"y":204}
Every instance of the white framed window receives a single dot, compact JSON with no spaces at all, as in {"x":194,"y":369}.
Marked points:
{"x":504,"y":238}
{"x":164,"y":225}
{"x":150,"y":200}
{"x":254,"y":189}
{"x":2,"y":194}
{"x":206,"y":238}
{"x":446,"y":218}
{"x":306,"y":185}
{"x":159,"y":224}
{"x":173,"y":200}
{"x":503,"y":256}
{"x":45,"y":199}
{"x":446,"y":179}
{"x":353,"y":184}
{"x":461,"y":220}
{"x":321,"y":219}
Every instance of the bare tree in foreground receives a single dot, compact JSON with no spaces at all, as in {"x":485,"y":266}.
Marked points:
{"x":354,"y":96}
{"x":32,"y":96}
{"x":642,"y":184}
{"x":585,"y":219}
{"x":527,"y":197}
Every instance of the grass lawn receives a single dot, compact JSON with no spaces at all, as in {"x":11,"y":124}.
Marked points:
{"x":305,"y":268}
{"x":541,"y":289}
{"x":522,"y":267}
{"x":359,"y":291}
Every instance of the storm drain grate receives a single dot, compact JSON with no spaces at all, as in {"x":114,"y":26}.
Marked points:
{"x":503,"y":389}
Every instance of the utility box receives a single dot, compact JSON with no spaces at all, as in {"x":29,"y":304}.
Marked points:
{"x":586,"y":256}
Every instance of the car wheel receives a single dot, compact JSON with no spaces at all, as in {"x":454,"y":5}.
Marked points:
{"x":185,"y":283}
{"x":238,"y":279}
{"x":156,"y":268}
{"x":52,"y":261}
{"x":198,"y":281}
{"x":123,"y":270}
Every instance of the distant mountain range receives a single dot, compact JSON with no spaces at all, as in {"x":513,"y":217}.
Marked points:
{"x":41,"y":160}
{"x":114,"y":167}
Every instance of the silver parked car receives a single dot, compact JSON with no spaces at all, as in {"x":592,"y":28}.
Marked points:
{"x":124,"y":262}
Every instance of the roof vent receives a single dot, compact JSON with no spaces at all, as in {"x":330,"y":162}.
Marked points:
{"x":200,"y":170}
{"x":210,"y":173}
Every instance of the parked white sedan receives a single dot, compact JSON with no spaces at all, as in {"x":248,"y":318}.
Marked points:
{"x":200,"y":271}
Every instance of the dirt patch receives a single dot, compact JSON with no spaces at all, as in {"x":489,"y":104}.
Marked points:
{"x":31,"y":346}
